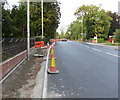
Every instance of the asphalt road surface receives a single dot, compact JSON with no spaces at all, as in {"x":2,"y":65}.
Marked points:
{"x":86,"y":71}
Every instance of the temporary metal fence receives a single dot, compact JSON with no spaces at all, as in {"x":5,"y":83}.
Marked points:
{"x":13,"y":46}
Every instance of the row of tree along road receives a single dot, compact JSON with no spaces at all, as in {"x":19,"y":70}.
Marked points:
{"x":93,"y":21}
{"x":14,"y":21}
{"x":14,"y":25}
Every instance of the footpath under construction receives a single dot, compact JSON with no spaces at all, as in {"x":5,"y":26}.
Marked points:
{"x":28,"y":80}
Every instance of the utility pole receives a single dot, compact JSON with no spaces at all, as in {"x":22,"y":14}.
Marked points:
{"x":42,"y":17}
{"x":28,"y":29}
{"x":82,"y":25}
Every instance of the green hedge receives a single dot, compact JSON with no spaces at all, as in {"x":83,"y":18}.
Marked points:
{"x":39,"y":38}
{"x":117,"y":35}
{"x":100,"y":40}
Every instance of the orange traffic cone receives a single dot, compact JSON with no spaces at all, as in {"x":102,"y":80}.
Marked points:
{"x":52,"y":69}
{"x":52,"y":51}
{"x":53,"y":44}
{"x":52,"y":47}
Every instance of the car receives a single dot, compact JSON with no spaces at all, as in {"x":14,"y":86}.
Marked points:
{"x":64,"y":40}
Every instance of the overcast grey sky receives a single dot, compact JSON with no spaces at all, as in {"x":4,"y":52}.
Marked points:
{"x":68,"y":7}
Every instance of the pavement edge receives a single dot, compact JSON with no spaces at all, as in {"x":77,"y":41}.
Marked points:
{"x":44,"y":95}
{"x":40,"y":90}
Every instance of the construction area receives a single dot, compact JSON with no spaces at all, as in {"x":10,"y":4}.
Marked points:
{"x":23,"y":81}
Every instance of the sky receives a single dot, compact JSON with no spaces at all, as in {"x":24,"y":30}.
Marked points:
{"x":68,"y":7}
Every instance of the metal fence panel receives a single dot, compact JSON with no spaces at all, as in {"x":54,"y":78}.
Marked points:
{"x":13,"y":46}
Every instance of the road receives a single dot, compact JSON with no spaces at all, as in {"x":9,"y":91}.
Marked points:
{"x":86,"y":71}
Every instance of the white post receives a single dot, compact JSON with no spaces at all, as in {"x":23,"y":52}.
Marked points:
{"x":96,"y":39}
{"x":28,"y":29}
{"x":42,"y":17}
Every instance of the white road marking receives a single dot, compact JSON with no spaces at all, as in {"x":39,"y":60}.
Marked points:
{"x":101,"y":51}
{"x":96,"y":49}
{"x":81,"y":44}
{"x":112,"y":54}
{"x":86,"y":46}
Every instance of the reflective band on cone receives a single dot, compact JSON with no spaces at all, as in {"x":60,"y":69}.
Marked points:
{"x":52,"y":56}
{"x":52,"y":51}
{"x":53,"y":69}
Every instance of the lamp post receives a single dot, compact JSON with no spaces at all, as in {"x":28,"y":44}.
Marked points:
{"x":82,"y":25}
{"x":28,"y":29}
{"x":42,"y":16}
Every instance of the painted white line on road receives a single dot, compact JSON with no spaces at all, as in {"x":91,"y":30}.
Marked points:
{"x":86,"y":46}
{"x":44,"y":95}
{"x":81,"y":44}
{"x":96,"y":49}
{"x":112,"y":54}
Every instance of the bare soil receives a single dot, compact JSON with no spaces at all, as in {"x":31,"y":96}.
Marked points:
{"x":21,"y":82}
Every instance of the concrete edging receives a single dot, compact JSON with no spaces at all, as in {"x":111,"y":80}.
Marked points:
{"x":44,"y":95}
{"x":40,"y":89}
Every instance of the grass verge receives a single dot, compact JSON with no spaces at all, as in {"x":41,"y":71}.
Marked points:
{"x":116,"y":44}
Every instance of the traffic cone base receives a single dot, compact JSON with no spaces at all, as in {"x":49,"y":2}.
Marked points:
{"x":53,"y":72}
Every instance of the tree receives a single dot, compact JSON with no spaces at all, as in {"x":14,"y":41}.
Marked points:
{"x":95,"y":21}
{"x":51,"y":19}
{"x":117,"y":35}
{"x":14,"y":23}
{"x":15,"y":20}
{"x":115,"y":23}
{"x":62,"y":35}
{"x":75,"y":30}
{"x":67,"y":35}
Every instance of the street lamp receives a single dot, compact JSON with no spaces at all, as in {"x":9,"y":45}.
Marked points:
{"x":82,"y":24}
{"x":42,"y":17}
{"x":28,"y":29}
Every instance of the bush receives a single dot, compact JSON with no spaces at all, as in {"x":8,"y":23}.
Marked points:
{"x":39,"y":38}
{"x":92,"y":39}
{"x":100,"y":40}
{"x":117,"y":35}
